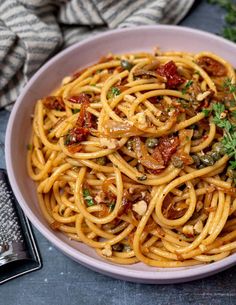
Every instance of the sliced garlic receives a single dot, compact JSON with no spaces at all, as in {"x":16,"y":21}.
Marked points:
{"x":202,"y":96}
{"x":140,"y":207}
{"x":140,"y":118}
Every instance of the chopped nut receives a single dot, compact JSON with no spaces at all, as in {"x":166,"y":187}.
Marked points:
{"x":131,"y":190}
{"x":143,"y":194}
{"x":140,"y":207}
{"x":157,"y":112}
{"x":107,"y":251}
{"x":141,"y":119}
{"x":202,"y":96}
{"x":172,"y":112}
{"x":129,"y":98}
{"x":198,"y":227}
{"x":109,"y":143}
{"x":188,"y":230}
{"x":223,"y":115}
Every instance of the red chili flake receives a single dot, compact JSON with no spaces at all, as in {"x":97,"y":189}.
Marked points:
{"x":211,"y":66}
{"x":54,"y":102}
{"x":169,"y":70}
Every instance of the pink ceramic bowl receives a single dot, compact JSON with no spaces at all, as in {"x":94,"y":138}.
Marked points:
{"x":49,"y":77}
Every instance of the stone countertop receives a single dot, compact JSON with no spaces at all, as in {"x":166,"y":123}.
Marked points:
{"x":62,"y":281}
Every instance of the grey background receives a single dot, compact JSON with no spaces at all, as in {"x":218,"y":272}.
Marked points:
{"x":64,"y":282}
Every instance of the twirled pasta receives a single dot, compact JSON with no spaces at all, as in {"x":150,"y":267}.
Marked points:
{"x":127,"y":161}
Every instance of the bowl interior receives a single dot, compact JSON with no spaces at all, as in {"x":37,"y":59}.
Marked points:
{"x":48,"y":78}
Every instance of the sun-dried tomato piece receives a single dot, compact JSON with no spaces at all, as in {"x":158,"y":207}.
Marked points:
{"x":167,"y":146}
{"x":76,"y":135}
{"x":79,"y":99}
{"x":85,"y":117}
{"x":169,"y":70}
{"x":80,"y":133}
{"x":157,"y":155}
{"x":74,"y":148}
{"x":54,"y":102}
{"x":211,"y":66}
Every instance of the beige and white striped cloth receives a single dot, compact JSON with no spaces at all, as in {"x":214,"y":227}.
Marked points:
{"x":31,"y":31}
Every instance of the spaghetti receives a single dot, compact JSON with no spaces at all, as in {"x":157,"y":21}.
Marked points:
{"x":130,"y":157}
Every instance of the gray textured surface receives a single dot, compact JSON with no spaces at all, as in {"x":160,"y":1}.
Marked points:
{"x":64,"y":282}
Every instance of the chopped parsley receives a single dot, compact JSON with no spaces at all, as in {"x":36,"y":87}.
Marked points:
{"x":187,"y":86}
{"x":112,"y":206}
{"x":67,"y":139}
{"x":114,"y":91}
{"x":87,"y":197}
{"x":230,"y":87}
{"x":229,"y":30}
{"x":229,"y":138}
{"x":206,"y":112}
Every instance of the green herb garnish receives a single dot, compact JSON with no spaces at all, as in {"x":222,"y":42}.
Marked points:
{"x":187,"y":86}
{"x":206,"y":111}
{"x":67,"y":139}
{"x":87,"y":197}
{"x":112,"y":206}
{"x":230,"y":87}
{"x":114,"y":91}
{"x":229,"y":138}
{"x":229,"y":31}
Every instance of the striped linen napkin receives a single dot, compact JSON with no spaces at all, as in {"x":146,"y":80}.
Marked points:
{"x":31,"y":31}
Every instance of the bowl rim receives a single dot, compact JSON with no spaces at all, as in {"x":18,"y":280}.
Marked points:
{"x":157,"y":275}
